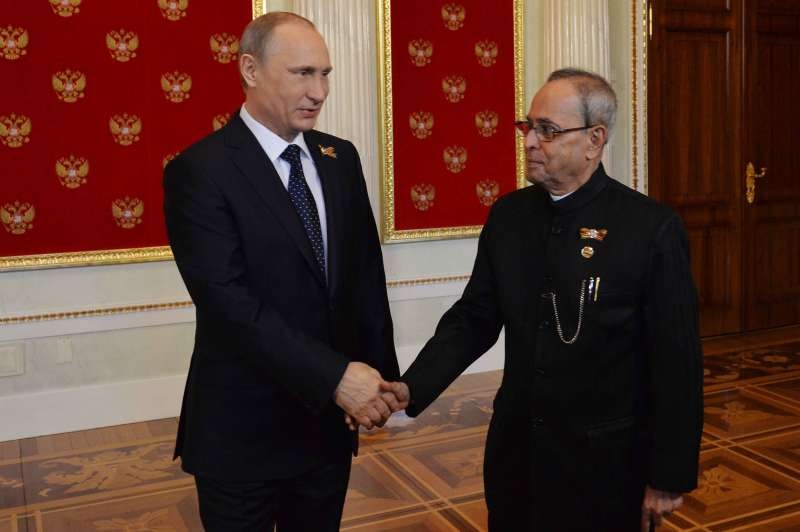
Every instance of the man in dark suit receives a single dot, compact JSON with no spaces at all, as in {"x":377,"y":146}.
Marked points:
{"x":273,"y":234}
{"x":597,"y":422}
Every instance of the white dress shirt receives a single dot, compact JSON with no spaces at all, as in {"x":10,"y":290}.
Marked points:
{"x":274,"y":146}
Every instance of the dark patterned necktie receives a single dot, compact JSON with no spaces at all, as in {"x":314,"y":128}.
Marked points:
{"x":304,"y":203}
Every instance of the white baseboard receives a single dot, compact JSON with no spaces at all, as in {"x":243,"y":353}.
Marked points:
{"x":88,"y":407}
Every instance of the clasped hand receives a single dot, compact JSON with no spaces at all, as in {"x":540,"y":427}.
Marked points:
{"x":366,"y":398}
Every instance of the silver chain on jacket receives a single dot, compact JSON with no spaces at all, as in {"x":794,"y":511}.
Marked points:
{"x":580,"y":315}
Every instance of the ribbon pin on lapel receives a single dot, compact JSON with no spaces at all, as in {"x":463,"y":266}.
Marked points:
{"x":593,"y":234}
{"x":327,"y":151}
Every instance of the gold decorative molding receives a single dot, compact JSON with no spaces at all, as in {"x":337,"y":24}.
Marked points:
{"x":258,"y":8}
{"x":93,"y":313}
{"x":111,"y":311}
{"x":85,"y":258}
{"x":385,"y":128}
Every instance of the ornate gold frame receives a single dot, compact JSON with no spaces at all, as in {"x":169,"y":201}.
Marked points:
{"x":95,"y":258}
{"x":385,"y":126}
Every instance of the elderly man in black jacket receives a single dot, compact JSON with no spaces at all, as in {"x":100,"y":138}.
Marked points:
{"x":597,"y":422}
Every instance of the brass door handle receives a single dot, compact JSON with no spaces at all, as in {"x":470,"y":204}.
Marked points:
{"x":750,"y":181}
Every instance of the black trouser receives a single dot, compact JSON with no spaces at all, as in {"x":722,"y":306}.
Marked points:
{"x":312,"y":501}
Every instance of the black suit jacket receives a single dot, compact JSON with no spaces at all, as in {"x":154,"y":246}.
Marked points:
{"x":273,"y":337}
{"x":623,"y":403}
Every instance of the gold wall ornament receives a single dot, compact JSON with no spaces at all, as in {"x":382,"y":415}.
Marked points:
{"x":455,"y":158}
{"x":15,"y":130}
{"x":69,"y":85}
{"x":125,"y":128}
{"x":127,"y":212}
{"x":421,"y":51}
{"x":13,"y":41}
{"x":422,"y":196}
{"x":167,"y":158}
{"x":454,"y":88}
{"x":72,"y":171}
{"x":487,"y":190}
{"x":750,"y":181}
{"x":486,"y":122}
{"x":453,"y":16}
{"x":122,"y":44}
{"x":65,"y":8}
{"x":173,"y":9}
{"x":220,"y":120}
{"x":17,"y":217}
{"x":486,"y":52}
{"x":224,"y":47}
{"x":176,"y":86}
{"x":421,"y":124}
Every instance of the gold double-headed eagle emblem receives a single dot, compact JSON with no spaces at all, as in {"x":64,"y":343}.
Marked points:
{"x":455,"y":158}
{"x":224,"y":47}
{"x":122,"y":44}
{"x":487,"y":191}
{"x":15,"y":130}
{"x":453,"y":16}
{"x":486,"y":52}
{"x":13,"y":41}
{"x":125,"y":128}
{"x":421,"y":124}
{"x":69,"y":85}
{"x":486,"y":122}
{"x":17,"y":217}
{"x":72,"y":171}
{"x":176,"y":86}
{"x":454,"y":88}
{"x":65,"y":8}
{"x":421,"y":51}
{"x":422,"y":196}
{"x":173,"y":9}
{"x":220,"y":120}
{"x":127,"y":212}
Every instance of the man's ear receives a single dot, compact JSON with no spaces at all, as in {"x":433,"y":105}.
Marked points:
{"x":247,"y":69}
{"x":598,"y":137}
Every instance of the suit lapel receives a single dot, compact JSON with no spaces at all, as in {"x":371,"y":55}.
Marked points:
{"x":327,"y":169}
{"x":251,"y":160}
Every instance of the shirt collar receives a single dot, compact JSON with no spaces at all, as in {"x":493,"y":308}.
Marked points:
{"x":272,"y":144}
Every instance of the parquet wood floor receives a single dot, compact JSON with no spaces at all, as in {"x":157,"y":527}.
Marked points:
{"x":425,"y":474}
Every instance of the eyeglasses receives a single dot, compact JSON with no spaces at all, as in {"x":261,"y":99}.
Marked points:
{"x":545,"y":132}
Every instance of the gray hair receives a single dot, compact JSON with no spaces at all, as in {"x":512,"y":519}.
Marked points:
{"x":257,"y":34}
{"x":598,"y":99}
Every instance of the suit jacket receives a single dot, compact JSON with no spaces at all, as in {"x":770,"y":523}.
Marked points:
{"x":273,"y":337}
{"x":619,"y":407}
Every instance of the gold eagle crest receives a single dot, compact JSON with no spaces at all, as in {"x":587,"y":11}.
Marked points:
{"x":122,"y":45}
{"x":167,"y":158}
{"x":220,"y":120}
{"x":453,"y":16}
{"x":13,"y":42}
{"x":127,"y":212}
{"x":15,"y":130}
{"x":69,"y":85}
{"x":454,"y":88}
{"x":72,"y":171}
{"x":422,"y":196}
{"x":455,"y":158}
{"x":65,"y":8}
{"x":17,"y":217}
{"x":173,"y":9}
{"x":486,"y":122}
{"x":125,"y":128}
{"x":487,"y":191}
{"x":224,"y":47}
{"x":421,"y":124}
{"x":176,"y":86}
{"x":486,"y":52}
{"x":420,"y":51}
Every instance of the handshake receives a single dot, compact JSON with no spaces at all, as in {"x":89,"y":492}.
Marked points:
{"x":366,"y":398}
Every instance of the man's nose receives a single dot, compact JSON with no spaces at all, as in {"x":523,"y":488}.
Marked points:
{"x":318,"y":90}
{"x":532,"y":140}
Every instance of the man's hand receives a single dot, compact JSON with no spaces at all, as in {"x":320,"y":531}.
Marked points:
{"x":395,"y":395}
{"x":656,"y":505}
{"x":359,"y":395}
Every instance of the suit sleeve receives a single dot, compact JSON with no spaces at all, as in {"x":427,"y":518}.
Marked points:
{"x":466,"y":331}
{"x":675,"y":362}
{"x":374,"y":318}
{"x":206,"y":245}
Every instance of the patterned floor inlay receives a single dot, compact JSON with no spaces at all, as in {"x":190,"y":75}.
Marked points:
{"x":425,"y":474}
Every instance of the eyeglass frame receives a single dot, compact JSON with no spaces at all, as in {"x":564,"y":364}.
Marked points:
{"x":526,"y":126}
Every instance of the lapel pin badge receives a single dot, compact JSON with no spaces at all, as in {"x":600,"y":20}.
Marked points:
{"x":587,"y":252}
{"x":593,"y":234}
{"x":327,"y":151}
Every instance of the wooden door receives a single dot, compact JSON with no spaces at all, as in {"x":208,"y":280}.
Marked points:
{"x":694,"y":143}
{"x":771,"y":223}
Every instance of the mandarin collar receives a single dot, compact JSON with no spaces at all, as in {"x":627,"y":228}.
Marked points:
{"x":583,"y":195}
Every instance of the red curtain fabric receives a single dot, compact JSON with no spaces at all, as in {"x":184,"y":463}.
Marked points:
{"x":453,"y":110}
{"x":94,"y":97}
